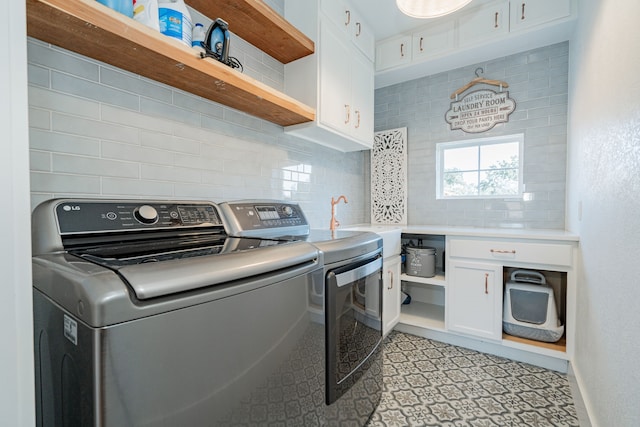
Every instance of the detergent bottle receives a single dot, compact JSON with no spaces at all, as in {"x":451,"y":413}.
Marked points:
{"x":175,"y":20}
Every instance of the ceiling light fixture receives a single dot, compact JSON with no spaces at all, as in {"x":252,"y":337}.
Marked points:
{"x":430,"y":8}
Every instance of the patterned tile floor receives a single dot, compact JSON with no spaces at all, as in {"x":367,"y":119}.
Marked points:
{"x":428,"y":383}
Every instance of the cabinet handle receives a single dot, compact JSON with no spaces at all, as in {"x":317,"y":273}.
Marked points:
{"x":421,"y":47}
{"x":523,"y":5}
{"x":496,"y":21}
{"x":498,"y":251}
{"x":358,"y":122}
{"x":391,"y":281}
{"x":402,"y":50}
{"x":359,"y":29}
{"x":348,"y":115}
{"x":486,"y":283}
{"x":348,"y":17}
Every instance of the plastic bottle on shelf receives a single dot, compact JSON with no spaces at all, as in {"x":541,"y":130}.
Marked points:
{"x":123,"y":6}
{"x":146,"y":12}
{"x":175,"y":20}
{"x":198,"y":37}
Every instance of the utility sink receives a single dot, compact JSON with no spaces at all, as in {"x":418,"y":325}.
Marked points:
{"x":390,"y":237}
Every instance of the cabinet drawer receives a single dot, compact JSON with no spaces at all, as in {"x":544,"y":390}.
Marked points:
{"x":507,"y":250}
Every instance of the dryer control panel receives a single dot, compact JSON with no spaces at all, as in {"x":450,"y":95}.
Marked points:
{"x":265,"y":219}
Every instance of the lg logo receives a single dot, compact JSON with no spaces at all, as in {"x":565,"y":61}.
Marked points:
{"x":68,"y":208}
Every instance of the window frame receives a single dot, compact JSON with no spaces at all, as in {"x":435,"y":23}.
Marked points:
{"x":478,"y":142}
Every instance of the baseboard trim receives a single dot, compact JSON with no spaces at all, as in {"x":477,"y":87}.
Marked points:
{"x":544,"y":361}
{"x":584,"y":408}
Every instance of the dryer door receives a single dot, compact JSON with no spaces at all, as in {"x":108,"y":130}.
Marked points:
{"x":353,"y":323}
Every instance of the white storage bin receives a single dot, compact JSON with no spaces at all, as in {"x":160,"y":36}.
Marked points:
{"x":530,"y":308}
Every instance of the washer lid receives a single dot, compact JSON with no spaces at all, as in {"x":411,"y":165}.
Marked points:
{"x":156,"y":279}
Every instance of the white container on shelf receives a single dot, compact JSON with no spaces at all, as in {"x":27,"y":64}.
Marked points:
{"x":146,"y":12}
{"x":175,"y":20}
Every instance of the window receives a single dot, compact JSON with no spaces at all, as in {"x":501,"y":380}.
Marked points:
{"x":480,"y":168}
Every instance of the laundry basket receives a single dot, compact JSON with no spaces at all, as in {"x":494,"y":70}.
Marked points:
{"x":530,"y":308}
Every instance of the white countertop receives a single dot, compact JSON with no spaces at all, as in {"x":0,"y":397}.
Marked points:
{"x":503,"y":233}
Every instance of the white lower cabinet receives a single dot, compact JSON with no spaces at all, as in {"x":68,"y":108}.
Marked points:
{"x":463,"y":303}
{"x":475,"y":299}
{"x":390,"y":293}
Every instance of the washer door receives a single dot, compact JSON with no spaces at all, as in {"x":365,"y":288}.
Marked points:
{"x":353,"y":323}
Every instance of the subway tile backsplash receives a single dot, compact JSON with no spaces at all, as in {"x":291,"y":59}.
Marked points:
{"x":99,"y":131}
{"x":538,"y":82}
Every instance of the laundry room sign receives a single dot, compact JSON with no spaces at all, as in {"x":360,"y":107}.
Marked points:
{"x":480,"y":111}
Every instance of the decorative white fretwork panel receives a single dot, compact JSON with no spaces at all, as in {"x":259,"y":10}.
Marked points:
{"x":389,"y":177}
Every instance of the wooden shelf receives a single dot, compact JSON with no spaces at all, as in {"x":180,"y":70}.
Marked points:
{"x":259,"y":25}
{"x":557,"y":346}
{"x":93,"y":30}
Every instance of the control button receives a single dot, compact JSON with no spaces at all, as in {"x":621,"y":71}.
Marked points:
{"x":146,"y":214}
{"x":173,"y":214}
{"x":287,"y":210}
{"x":111,"y":215}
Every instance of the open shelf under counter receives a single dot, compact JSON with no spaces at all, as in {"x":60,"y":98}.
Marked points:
{"x":423,"y":315}
{"x":437,"y":280}
{"x":556,"y":349}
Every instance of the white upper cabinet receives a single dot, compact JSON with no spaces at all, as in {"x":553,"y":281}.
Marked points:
{"x":393,"y":52}
{"x":346,"y":87}
{"x":434,"y":40}
{"x":345,"y":17}
{"x":337,"y":79}
{"x":362,"y":99}
{"x":479,"y":32}
{"x":530,"y":13}
{"x":484,"y":23}
{"x":362,"y":34}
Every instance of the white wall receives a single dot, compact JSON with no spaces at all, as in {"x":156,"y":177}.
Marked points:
{"x":604,"y":206}
{"x":16,"y":336}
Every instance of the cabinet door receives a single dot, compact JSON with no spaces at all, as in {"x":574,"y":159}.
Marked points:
{"x":393,"y":53}
{"x":528,"y":13}
{"x":390,"y":293}
{"x":362,"y":34}
{"x":362,"y":99}
{"x":474,"y":303}
{"x":484,"y":23}
{"x":335,"y":109}
{"x":336,"y":11}
{"x":433,"y":41}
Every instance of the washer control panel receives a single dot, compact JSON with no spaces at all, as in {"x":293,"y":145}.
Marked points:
{"x":97,"y":216}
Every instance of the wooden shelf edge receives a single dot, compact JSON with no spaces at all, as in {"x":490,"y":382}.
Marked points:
{"x":91,"y":29}
{"x":560,"y":346}
{"x":259,"y":25}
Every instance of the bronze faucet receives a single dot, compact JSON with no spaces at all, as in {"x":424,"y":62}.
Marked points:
{"x":334,"y":222}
